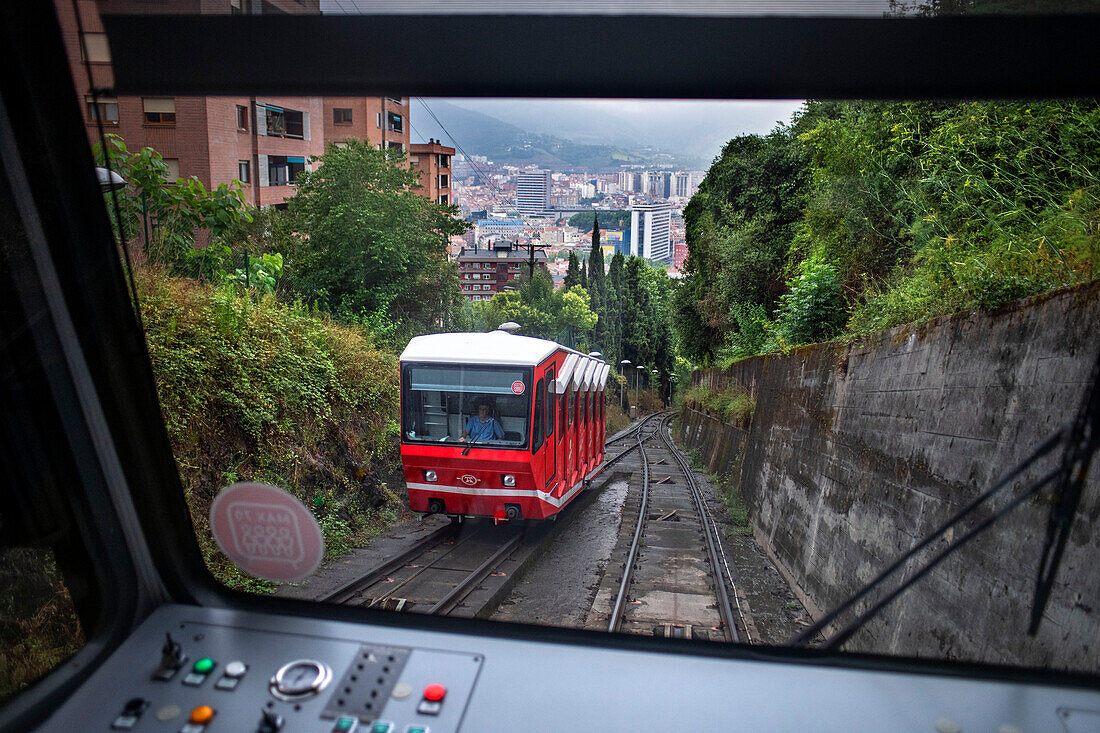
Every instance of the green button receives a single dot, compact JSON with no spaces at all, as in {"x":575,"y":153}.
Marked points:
{"x":204,"y":665}
{"x":344,"y":724}
{"x":381,"y":728}
{"x":416,"y":729}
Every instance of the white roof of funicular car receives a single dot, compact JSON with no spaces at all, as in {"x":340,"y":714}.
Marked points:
{"x":495,"y":347}
{"x":566,"y":374}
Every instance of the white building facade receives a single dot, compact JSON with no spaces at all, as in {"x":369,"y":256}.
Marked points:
{"x":533,"y":192}
{"x":650,"y":235}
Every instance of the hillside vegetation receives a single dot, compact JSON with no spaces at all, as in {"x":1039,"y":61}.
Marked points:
{"x":255,"y":389}
{"x":864,"y":215}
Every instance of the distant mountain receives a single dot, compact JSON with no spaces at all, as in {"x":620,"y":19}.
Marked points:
{"x":693,"y":128}
{"x":477,"y":133}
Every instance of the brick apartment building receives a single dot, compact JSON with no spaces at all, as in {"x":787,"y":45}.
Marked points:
{"x":263,"y":142}
{"x":433,"y":160}
{"x":484,"y":271}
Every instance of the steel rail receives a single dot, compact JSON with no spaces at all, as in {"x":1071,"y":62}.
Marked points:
{"x":709,"y":531}
{"x":632,"y":554}
{"x":347,"y":590}
{"x":445,"y":604}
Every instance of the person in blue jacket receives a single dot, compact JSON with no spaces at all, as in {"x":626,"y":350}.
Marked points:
{"x":481,"y":427}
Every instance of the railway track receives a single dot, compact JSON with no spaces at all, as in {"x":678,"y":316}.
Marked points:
{"x":460,"y":569}
{"x":674,"y":580}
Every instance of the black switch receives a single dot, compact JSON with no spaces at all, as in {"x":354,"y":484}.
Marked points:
{"x":171,"y":659}
{"x":171,"y":654}
{"x":270,"y":722}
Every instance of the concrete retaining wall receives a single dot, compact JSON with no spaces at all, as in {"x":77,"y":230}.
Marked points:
{"x":855,"y":452}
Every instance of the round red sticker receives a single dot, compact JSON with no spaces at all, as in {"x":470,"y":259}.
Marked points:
{"x":266,"y":532}
{"x":517,"y":387}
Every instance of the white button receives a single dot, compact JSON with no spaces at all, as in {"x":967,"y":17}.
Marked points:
{"x":401,"y":691}
{"x":235,"y":669}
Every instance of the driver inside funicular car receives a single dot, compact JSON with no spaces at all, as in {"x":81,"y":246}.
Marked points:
{"x":482,"y":426}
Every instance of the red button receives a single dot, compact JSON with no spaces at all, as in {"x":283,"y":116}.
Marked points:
{"x":434,"y":692}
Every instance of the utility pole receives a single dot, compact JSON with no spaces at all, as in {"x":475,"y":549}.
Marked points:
{"x":531,"y":248}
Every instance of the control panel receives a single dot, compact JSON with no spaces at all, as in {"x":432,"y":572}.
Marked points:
{"x":190,"y":669}
{"x":199,"y":677}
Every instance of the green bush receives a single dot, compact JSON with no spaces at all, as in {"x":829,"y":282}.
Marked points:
{"x":814,"y":309}
{"x":267,"y":391}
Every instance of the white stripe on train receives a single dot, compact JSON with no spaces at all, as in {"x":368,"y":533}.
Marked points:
{"x":544,"y":496}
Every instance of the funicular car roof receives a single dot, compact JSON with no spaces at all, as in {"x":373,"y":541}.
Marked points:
{"x":495,"y":347}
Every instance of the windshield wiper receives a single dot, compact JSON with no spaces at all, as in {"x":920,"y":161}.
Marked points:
{"x":469,"y":445}
{"x":1081,"y":438}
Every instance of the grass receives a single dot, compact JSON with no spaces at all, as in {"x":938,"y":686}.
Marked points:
{"x":732,"y":404}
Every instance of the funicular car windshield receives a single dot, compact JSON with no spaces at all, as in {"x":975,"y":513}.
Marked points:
{"x":440,"y":404}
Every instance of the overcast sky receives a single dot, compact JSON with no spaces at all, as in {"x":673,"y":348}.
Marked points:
{"x":694,"y":127}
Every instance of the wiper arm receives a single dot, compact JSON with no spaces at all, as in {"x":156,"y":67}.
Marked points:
{"x":1081,"y":443}
{"x":1082,"y":438}
{"x":469,"y":445}
{"x":811,"y":632}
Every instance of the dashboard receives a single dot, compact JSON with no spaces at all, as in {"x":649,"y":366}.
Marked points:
{"x":202,"y":670}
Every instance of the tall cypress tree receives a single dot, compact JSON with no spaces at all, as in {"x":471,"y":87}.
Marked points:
{"x":613,"y":304}
{"x":597,"y":292}
{"x":573,"y":273}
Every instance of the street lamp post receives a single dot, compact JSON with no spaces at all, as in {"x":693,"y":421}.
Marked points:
{"x":625,"y":363}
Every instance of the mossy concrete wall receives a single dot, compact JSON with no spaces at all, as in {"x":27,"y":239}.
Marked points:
{"x":855,"y":452}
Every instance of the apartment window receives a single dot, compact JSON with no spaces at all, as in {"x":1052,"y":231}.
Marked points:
{"x":443,"y":200}
{"x":243,"y":171}
{"x":341,"y":116}
{"x":443,"y":161}
{"x":159,"y":110}
{"x":395,"y":99}
{"x":284,"y":122}
{"x":394,"y":122}
{"x":414,"y":162}
{"x":94,"y":48}
{"x":242,"y":118}
{"x":283,"y":170}
{"x":378,"y":121}
{"x":173,"y":168}
{"x":444,"y":180}
{"x":477,"y":276}
{"x":395,"y":145}
{"x":103,"y":110}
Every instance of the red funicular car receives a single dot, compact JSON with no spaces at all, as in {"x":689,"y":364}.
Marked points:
{"x":498,"y":425}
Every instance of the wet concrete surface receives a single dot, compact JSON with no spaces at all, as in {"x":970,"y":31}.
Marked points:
{"x":560,"y":588}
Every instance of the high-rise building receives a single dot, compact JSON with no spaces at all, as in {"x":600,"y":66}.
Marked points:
{"x":682,"y":185}
{"x":650,"y":235}
{"x":433,"y":160}
{"x":533,"y":192}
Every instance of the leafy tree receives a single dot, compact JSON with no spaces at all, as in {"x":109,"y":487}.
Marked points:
{"x":373,"y":249}
{"x":541,"y":311}
{"x":597,"y":287}
{"x":173,"y":212}
{"x":612,"y":219}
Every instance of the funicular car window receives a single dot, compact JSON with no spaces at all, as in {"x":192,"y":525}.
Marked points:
{"x":440,"y":403}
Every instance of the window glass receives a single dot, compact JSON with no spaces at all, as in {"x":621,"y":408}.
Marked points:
{"x":733,"y":234}
{"x":537,"y":425}
{"x":442,"y":403}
